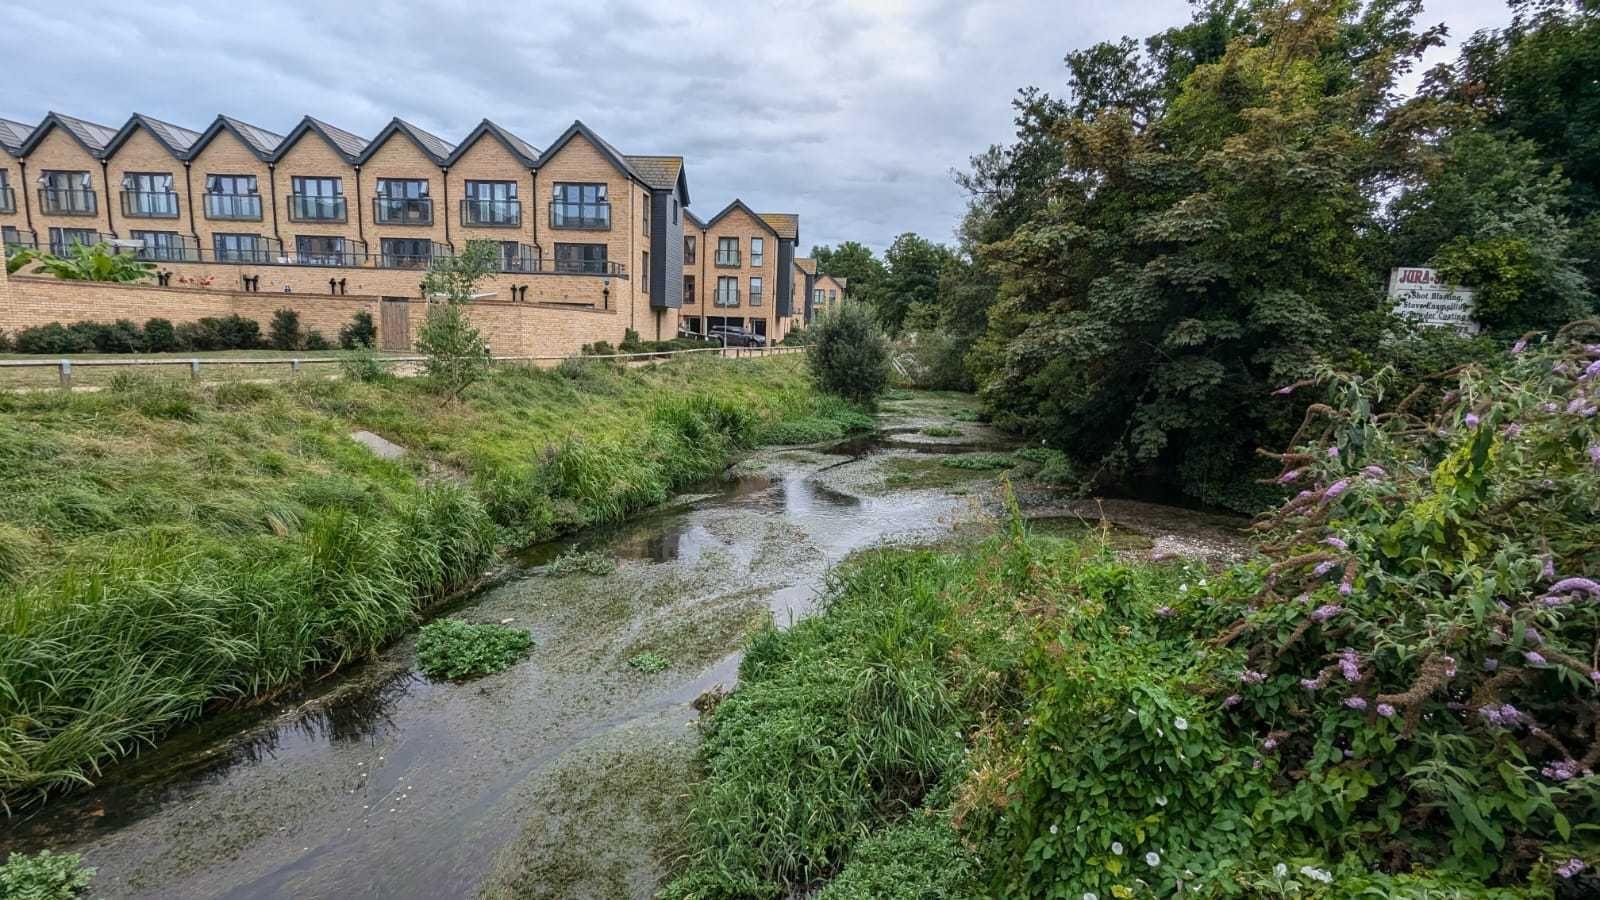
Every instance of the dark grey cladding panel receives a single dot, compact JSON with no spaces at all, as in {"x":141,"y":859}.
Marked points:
{"x":666,"y":250}
{"x":811,"y":285}
{"x":785,"y":277}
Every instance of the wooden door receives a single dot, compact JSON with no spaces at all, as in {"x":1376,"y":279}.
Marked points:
{"x":394,"y":326}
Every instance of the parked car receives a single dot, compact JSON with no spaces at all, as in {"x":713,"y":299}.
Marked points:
{"x":736,"y":337}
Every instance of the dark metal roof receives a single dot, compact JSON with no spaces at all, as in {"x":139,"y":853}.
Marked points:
{"x":436,"y":147}
{"x":91,"y":136}
{"x":344,"y":143}
{"x":175,"y":138}
{"x":13,"y":135}
{"x":259,"y":141}
{"x":616,"y":157}
{"x":739,"y":204}
{"x":787,"y":225}
{"x":521,"y":149}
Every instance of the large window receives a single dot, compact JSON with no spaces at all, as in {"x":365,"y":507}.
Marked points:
{"x":816,"y":298}
{"x":688,"y":249}
{"x":645,"y":205}
{"x":406,"y":253}
{"x":727,"y":291}
{"x":8,"y":198}
{"x":167,"y":246}
{"x":727,"y":252}
{"x":316,"y":199}
{"x":149,"y":195}
{"x":515,"y":257}
{"x":402,"y":201}
{"x":321,"y":250}
{"x":63,"y":239}
{"x":574,"y":205}
{"x":491,"y":204}
{"x":755,"y":291}
{"x":581,"y":258}
{"x":66,"y":193}
{"x":233,"y":197}
{"x":241,"y":248}
{"x":688,"y":290}
{"x":758,"y":251}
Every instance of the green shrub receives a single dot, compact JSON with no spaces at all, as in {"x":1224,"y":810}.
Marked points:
{"x":121,"y":336}
{"x":598,"y":348}
{"x":850,"y":356}
{"x":7,"y":343}
{"x":230,"y":332}
{"x":453,"y":649}
{"x":361,"y":364}
{"x":649,"y":662}
{"x":979,"y":462}
{"x":630,"y":341}
{"x":316,"y":341}
{"x":936,"y":361}
{"x":44,"y":876}
{"x":283,"y":332}
{"x":54,"y":339}
{"x":920,"y":859}
{"x":360,"y":332}
{"x":160,"y":336}
{"x":587,"y":562}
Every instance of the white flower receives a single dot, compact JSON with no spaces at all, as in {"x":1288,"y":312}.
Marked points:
{"x":1116,"y":847}
{"x":1183,"y":589}
{"x":1202,"y":582}
{"x":1090,"y":895}
{"x":1280,"y":870}
{"x":1180,"y":723}
{"x":1161,"y":801}
{"x":1152,"y":860}
{"x":1054,"y":829}
{"x":1322,"y":875}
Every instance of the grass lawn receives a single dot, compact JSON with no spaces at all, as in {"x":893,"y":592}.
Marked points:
{"x":161,"y":365}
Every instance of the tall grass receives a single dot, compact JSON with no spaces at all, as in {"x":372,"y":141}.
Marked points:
{"x":164,"y":548}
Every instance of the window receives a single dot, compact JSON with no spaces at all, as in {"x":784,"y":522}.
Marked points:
{"x":688,"y":249}
{"x":149,"y":195}
{"x":758,"y":249}
{"x":755,"y":291}
{"x":8,"y":199}
{"x":728,"y":251}
{"x":320,"y":250}
{"x":240,"y":248}
{"x":232,"y":197}
{"x":10,"y":237}
{"x":491,"y":204}
{"x":66,"y":193}
{"x":759,"y":326}
{"x":575,"y":205}
{"x":515,"y":257}
{"x":727,"y":291}
{"x":406,"y":253}
{"x":581,"y":258}
{"x":688,"y":290}
{"x":402,"y":201}
{"x":816,"y":298}
{"x":832,"y":296}
{"x":646,"y":207}
{"x":61,"y":239}
{"x":316,"y":199}
{"x":160,"y":245}
{"x":644,"y":269}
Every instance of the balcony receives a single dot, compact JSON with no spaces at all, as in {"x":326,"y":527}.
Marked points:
{"x":150,"y":204}
{"x":402,"y":210}
{"x":727,"y":259}
{"x":592,"y":216}
{"x":584,"y":267}
{"x":18,"y":239}
{"x":8,"y":200}
{"x":348,"y":253}
{"x":68,"y":202}
{"x":393,"y":258}
{"x":185,"y":250}
{"x":234,"y":207}
{"x":269,"y":251}
{"x":491,"y":213}
{"x":315,"y":208}
{"x":62,"y":244}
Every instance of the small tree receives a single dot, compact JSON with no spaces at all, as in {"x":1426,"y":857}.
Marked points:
{"x":849,"y":354}
{"x":458,"y":356}
{"x":359,"y":333}
{"x":284,"y":331}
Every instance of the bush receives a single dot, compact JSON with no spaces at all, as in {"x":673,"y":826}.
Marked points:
{"x":315,"y":341}
{"x":160,"y":336}
{"x":54,"y":339}
{"x":630,"y":341}
{"x":361,"y":332}
{"x":362,"y":365}
{"x":231,"y":332}
{"x":44,"y":876}
{"x":936,"y":361}
{"x":850,"y":356}
{"x":453,"y":649}
{"x":457,"y":355}
{"x":284,"y":331}
{"x":7,"y":344}
{"x":598,"y":348}
{"x":121,"y":336}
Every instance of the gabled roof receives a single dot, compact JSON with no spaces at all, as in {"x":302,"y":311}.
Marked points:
{"x":787,"y":225}
{"x":662,"y":173}
{"x":259,"y":141}
{"x":175,"y":138}
{"x":13,"y":135}
{"x":610,"y":152}
{"x":521,"y":149}
{"x":695,"y":219}
{"x":91,"y":136}
{"x":344,"y":143}
{"x":739,"y":204}
{"x":806,"y":264}
{"x":437,"y":148}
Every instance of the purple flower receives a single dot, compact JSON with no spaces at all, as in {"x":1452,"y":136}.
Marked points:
{"x":1532,"y":636}
{"x":1336,"y":542}
{"x":1533,"y":657}
{"x":1333,"y":452}
{"x":1520,"y":345}
{"x":1571,"y":867}
{"x":1575,"y":405}
{"x":1549,"y":407}
{"x":1356,"y":703}
{"x":1303,"y":598}
{"x":1503,"y":716}
{"x":1231,"y":700}
{"x":1311,"y":684}
{"x":1471,"y":420}
{"x":1326,"y":611}
{"x":1561,"y":771}
{"x":1269,"y":744}
{"x":1549,"y":570}
{"x":1594,"y":454}
{"x":1385,"y":710}
{"x":1374,"y":472}
{"x":1346,"y":588}
{"x":1166,"y":612}
{"x":1251,"y":676}
{"x":1573,"y":585}
{"x":1349,"y":665}
{"x":1595,"y":676}
{"x":1490,"y":664}
{"x":1335,"y":489}
{"x":1324,"y":567}
{"x":1289,"y":476}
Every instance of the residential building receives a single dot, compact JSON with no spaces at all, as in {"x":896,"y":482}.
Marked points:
{"x":804,"y":282}
{"x":739,"y":272}
{"x":827,"y":292}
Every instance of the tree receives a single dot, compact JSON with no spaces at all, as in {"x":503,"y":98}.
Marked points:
{"x":853,"y":262}
{"x":457,"y":355}
{"x":914,"y":265}
{"x":849,"y":355}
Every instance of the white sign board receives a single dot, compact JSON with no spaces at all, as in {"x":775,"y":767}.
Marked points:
{"x":1419,"y":294}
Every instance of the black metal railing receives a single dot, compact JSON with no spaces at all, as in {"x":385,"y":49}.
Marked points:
{"x":68,"y":201}
{"x":593,"y":216}
{"x":391,"y":259}
{"x":349,"y":253}
{"x":184,"y":250}
{"x":316,"y":208}
{"x":234,"y":207}
{"x":8,"y":200}
{"x":584,"y":267}
{"x":402,"y":210}
{"x":150,"y":204}
{"x":63,"y":246}
{"x":267,"y":252}
{"x":524,"y":261}
{"x":727,"y":259}
{"x":491,"y":213}
{"x":18,"y":239}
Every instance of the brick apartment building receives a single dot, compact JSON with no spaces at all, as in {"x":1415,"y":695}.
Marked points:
{"x":319,"y":210}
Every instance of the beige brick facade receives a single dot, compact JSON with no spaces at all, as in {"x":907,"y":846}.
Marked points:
{"x":313,"y":157}
{"x":59,"y":151}
{"x":227,"y":156}
{"x":142,"y":154}
{"x":400,"y":159}
{"x":488,"y":160}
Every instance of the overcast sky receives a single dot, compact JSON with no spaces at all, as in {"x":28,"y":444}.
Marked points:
{"x":849,"y":112}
